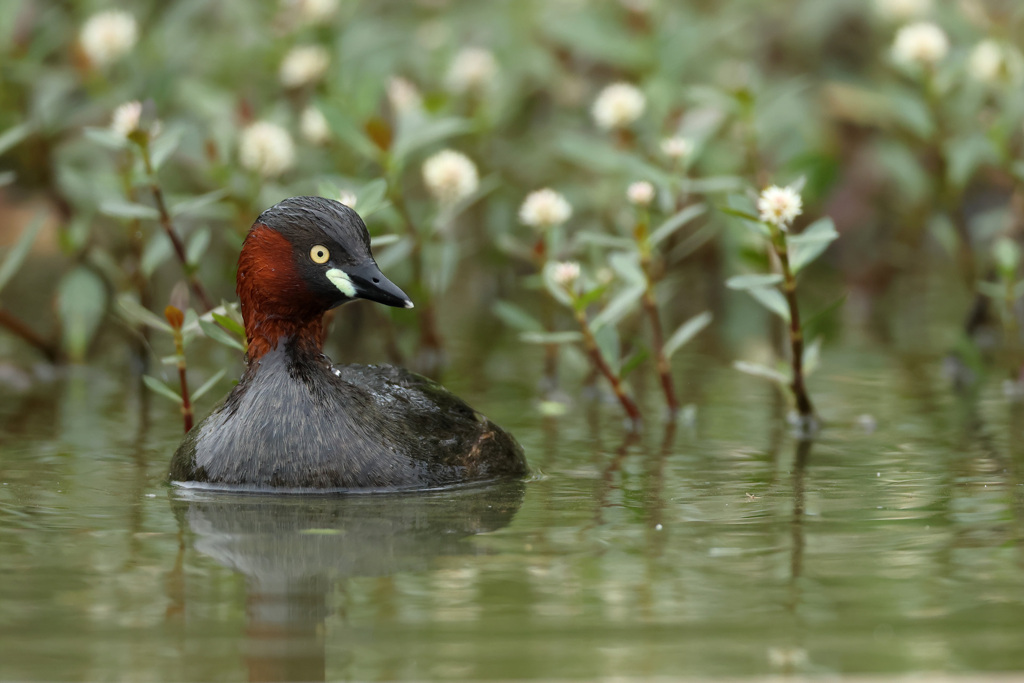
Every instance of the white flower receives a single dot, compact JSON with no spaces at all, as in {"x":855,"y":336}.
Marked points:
{"x":303,"y":65}
{"x":314,"y":11}
{"x":450,"y":176}
{"x":640,"y":193}
{"x":473,"y":69}
{"x":677,"y":147}
{"x":921,"y":43}
{"x":348,"y":198}
{"x":544,"y":208}
{"x":314,"y":127}
{"x":986,"y":63}
{"x":107,"y":36}
{"x":902,"y":10}
{"x":618,"y":105}
{"x":403,"y":96}
{"x":779,"y":205}
{"x":565,"y":273}
{"x":266,"y":148}
{"x":993,"y":62}
{"x":126,"y":118}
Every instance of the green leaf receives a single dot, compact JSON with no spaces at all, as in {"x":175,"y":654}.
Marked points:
{"x":384,"y":240}
{"x":944,"y":232}
{"x":197,"y":244}
{"x":551,"y":337}
{"x":555,"y":289}
{"x":772,"y":299}
{"x":15,"y":135}
{"x":81,"y":303}
{"x":687,"y":331}
{"x":105,"y":137}
{"x":598,"y":156}
{"x":618,"y":308}
{"x":633,"y":362}
{"x":16,"y":255}
{"x":607,"y":339}
{"x":208,"y":384}
{"x":162,"y":147}
{"x":835,"y":305}
{"x":159,"y":387}
{"x":156,"y":251}
{"x":812,"y":356}
{"x":694,"y":241}
{"x":993,"y":290}
{"x":810,"y":243}
{"x":133,"y":312}
{"x":395,"y":254}
{"x":119,"y":208}
{"x":195,"y":204}
{"x":739,"y":213}
{"x":220,"y":335}
{"x":229,"y":324}
{"x":349,"y":131}
{"x":590,"y":296}
{"x":744,"y":282}
{"x":516,"y":317}
{"x":713,"y":184}
{"x":740,"y":206}
{"x":676,"y":221}
{"x":601,"y":239}
{"x":416,"y":133}
{"x":966,"y":156}
{"x":372,"y":197}
{"x":1006,"y":254}
{"x":763,"y":371}
{"x":627,"y":265}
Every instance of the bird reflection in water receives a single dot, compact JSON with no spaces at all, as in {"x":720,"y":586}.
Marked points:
{"x":292,"y":549}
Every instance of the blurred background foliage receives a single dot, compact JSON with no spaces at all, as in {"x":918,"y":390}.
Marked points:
{"x":913,"y":149}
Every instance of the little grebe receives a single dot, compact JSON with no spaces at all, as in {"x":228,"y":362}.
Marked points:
{"x":297,"y":421}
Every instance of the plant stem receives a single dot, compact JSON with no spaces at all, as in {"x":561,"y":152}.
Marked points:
{"x":186,"y":403}
{"x":796,"y":335}
{"x":658,"y":343}
{"x":168,"y":226}
{"x":651,"y":308}
{"x":590,"y":345}
{"x":804,"y":406}
{"x":17,"y":327}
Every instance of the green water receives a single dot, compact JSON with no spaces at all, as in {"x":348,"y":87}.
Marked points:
{"x":724,"y":549}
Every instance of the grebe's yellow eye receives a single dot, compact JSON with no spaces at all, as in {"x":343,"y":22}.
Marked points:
{"x":319,"y":254}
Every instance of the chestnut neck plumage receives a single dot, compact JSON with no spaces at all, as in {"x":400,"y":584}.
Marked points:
{"x":276,"y":304}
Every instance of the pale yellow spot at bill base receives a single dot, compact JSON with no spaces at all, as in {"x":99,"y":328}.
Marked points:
{"x":342,"y":281}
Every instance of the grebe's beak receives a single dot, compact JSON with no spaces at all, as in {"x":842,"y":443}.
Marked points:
{"x":369,"y":283}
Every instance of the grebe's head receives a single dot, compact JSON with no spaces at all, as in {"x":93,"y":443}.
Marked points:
{"x":302,"y":257}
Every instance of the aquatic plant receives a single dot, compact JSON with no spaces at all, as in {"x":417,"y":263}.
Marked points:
{"x":129,"y":181}
{"x":777,"y":208}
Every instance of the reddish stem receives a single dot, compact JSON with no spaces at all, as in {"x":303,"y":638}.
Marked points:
{"x":590,"y":344}
{"x":27,"y":334}
{"x":167,"y":224}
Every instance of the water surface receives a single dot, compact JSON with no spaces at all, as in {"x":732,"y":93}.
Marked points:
{"x":725,"y":548}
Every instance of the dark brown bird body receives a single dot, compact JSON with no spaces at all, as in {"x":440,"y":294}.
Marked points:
{"x":295,"y":421}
